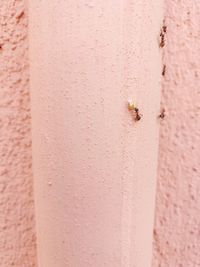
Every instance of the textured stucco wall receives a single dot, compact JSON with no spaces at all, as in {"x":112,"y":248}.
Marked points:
{"x":17,"y":236}
{"x":177,"y":224}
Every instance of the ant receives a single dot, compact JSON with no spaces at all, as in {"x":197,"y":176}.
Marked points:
{"x":162,"y":114}
{"x":164,"y":70}
{"x":164,"y":28}
{"x":137,"y":115}
{"x":162,"y":36}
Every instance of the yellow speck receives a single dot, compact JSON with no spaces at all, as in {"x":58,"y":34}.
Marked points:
{"x":131,"y":105}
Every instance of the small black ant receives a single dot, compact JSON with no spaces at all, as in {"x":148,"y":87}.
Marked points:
{"x":162,"y":40}
{"x":164,"y":70}
{"x":138,"y":116}
{"x":164,"y":28}
{"x":162,"y":114}
{"x":162,"y":36}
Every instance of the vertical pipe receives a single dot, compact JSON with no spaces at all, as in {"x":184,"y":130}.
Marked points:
{"x":94,"y":166}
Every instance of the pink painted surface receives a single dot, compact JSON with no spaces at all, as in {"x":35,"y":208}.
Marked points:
{"x":94,"y":167}
{"x":94,"y":196}
{"x":177,"y":224}
{"x":17,"y":235}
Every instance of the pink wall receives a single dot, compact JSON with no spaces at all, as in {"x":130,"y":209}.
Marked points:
{"x":177,"y":224}
{"x":17,"y":235}
{"x":94,"y":167}
{"x":177,"y":221}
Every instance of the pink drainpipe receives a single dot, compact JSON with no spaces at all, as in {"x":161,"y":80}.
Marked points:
{"x":94,"y":166}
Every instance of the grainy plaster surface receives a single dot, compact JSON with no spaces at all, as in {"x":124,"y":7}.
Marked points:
{"x":177,"y":223}
{"x":17,"y":235}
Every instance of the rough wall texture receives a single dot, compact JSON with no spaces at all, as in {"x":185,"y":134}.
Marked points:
{"x":17,"y":237}
{"x":177,"y":223}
